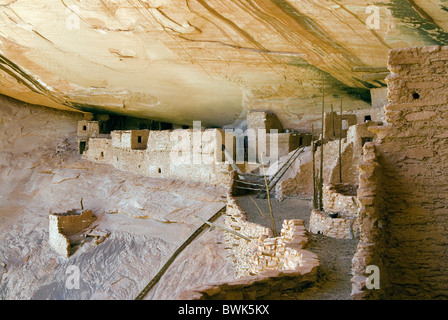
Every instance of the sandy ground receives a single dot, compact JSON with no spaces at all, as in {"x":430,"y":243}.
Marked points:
{"x":335,"y":255}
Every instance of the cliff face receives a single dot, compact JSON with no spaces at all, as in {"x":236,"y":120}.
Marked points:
{"x":179,"y":61}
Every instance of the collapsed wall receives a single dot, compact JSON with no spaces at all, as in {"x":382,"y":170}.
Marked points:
{"x":413,"y":154}
{"x":64,"y":225}
{"x":265,"y":265}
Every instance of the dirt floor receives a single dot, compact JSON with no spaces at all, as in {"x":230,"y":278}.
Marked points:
{"x":335,"y":255}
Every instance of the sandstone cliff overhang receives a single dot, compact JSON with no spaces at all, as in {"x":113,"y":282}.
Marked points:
{"x":179,"y":61}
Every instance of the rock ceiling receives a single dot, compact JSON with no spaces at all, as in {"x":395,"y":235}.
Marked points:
{"x":208,"y":60}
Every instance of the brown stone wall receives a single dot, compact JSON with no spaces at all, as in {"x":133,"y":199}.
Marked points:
{"x":88,"y":128}
{"x":339,"y":228}
{"x":63,"y":225}
{"x":371,"y":220}
{"x":376,"y":114}
{"x":414,"y":156}
{"x":239,"y":248}
{"x":332,"y":124}
{"x":130,"y":139}
{"x":340,"y":198}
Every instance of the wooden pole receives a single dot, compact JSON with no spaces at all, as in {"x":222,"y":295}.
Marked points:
{"x":321,"y":178}
{"x":274,"y":228}
{"x":340,"y":146}
{"x":314,"y":168}
{"x":332,"y":122}
{"x":211,"y":224}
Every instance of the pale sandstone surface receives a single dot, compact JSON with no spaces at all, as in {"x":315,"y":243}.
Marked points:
{"x":147,"y":218}
{"x":213,"y":61}
{"x":206,"y":256}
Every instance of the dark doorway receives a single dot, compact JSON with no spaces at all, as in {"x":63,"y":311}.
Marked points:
{"x":82,"y":146}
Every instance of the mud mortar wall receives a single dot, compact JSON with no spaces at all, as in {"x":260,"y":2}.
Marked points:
{"x":414,"y":155}
{"x":263,"y":120}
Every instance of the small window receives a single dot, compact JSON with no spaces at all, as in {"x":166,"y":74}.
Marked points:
{"x":139,"y":139}
{"x":84,"y":128}
{"x":415,"y":95}
{"x":367,"y":118}
{"x":160,"y":170}
{"x":365,"y":140}
{"x":102,"y":154}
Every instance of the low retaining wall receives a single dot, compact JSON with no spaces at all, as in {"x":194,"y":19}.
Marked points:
{"x":264,"y":266}
{"x":341,"y":227}
{"x":340,"y":198}
{"x":280,"y":253}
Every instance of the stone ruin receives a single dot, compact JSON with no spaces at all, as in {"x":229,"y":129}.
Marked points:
{"x":387,"y":158}
{"x":71,"y":228}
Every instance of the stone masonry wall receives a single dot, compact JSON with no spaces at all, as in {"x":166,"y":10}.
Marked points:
{"x":239,"y":248}
{"x":63,"y":225}
{"x":335,"y":199}
{"x":414,"y":155}
{"x":300,"y":180}
{"x":200,"y":162}
{"x":371,"y":219}
{"x":340,"y":228}
{"x":264,"y":266}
